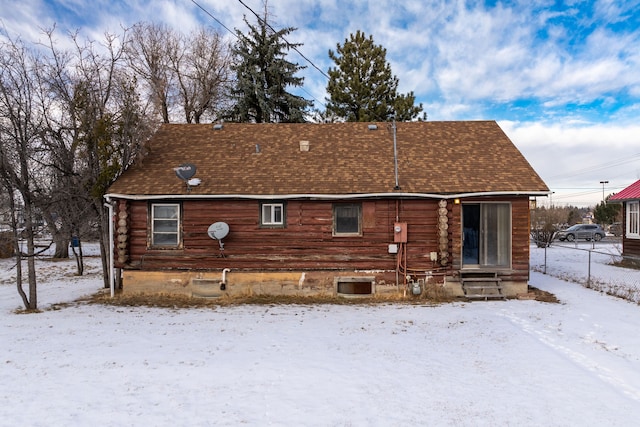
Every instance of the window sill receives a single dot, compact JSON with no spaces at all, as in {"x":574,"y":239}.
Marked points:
{"x":165,"y":248}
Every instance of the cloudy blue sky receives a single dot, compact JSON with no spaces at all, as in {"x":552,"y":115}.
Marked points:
{"x":562,"y":78}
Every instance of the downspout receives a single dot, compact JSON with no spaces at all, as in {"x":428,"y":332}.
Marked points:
{"x":399,"y":254}
{"x":223,"y":285}
{"x":109,"y":206}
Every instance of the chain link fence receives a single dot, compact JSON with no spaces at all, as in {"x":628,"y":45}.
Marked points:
{"x":595,"y":265}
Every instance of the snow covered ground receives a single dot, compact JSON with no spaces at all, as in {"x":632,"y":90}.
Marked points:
{"x":517,"y":363}
{"x":570,"y":261}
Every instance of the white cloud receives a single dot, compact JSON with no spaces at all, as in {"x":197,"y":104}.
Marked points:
{"x":574,"y":158}
{"x":24,"y":19}
{"x":463,"y":59}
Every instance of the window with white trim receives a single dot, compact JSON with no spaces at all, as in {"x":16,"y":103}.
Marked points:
{"x":633,"y":220}
{"x":165,"y":225}
{"x":272,"y":214}
{"x":347,"y":219}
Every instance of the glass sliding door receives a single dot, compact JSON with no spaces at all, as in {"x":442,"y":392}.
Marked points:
{"x":470,"y":234}
{"x":486,"y":235}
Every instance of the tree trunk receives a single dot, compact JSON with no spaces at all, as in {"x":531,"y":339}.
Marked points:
{"x":31,"y":259}
{"x":62,"y":247}
{"x":77,"y":253}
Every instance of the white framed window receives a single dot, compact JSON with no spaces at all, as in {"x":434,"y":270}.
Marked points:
{"x":272,"y":214}
{"x":486,"y":234}
{"x":633,"y":220}
{"x":347,"y":219}
{"x":165,"y":225}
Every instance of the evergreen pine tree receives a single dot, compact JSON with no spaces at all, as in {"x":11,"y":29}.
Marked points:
{"x":263,"y":76}
{"x":362,"y":87}
{"x":606,"y":213}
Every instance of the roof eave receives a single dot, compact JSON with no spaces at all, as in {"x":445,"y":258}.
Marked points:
{"x":629,"y":199}
{"x":447,"y":196}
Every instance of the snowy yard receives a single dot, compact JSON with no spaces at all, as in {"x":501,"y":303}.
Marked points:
{"x":518,"y":363}
{"x":571,"y":261}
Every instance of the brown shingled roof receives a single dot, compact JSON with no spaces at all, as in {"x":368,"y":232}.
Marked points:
{"x":343,"y":158}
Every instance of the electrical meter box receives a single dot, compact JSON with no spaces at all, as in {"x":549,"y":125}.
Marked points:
{"x":400,"y":232}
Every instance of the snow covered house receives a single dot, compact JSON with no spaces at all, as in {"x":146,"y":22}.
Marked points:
{"x":338,"y":209}
{"x":630,"y":200}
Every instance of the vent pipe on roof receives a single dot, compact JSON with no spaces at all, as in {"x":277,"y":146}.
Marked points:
{"x":304,"y":145}
{"x":217,"y":126}
{"x":372,"y":127}
{"x":395,"y":154}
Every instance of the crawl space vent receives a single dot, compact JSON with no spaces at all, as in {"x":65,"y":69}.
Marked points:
{"x":358,"y":286}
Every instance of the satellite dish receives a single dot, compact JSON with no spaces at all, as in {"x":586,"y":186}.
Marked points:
{"x":185,"y":171}
{"x":218,"y":230}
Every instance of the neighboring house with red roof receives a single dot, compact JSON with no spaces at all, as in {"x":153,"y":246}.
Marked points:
{"x":630,"y":200}
{"x":337,"y":208}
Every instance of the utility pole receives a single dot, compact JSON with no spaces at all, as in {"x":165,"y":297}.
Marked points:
{"x":603,"y":183}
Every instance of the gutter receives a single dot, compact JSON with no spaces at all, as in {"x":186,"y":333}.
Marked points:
{"x":323,"y":196}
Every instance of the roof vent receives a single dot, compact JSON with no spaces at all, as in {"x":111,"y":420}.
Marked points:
{"x":304,"y":145}
{"x":217,"y":126}
{"x":373,"y":127}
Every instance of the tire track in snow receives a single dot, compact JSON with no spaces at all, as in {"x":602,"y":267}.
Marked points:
{"x":602,"y":372}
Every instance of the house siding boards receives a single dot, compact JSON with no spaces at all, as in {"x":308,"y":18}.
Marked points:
{"x":630,"y":245}
{"x":631,"y":248}
{"x":307,"y":241}
{"x":243,"y":165}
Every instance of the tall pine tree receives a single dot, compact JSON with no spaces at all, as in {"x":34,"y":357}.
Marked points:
{"x":263,"y":76}
{"x":606,"y":213}
{"x":362,"y":87}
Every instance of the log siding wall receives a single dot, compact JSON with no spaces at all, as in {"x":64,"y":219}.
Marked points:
{"x":307,"y":241}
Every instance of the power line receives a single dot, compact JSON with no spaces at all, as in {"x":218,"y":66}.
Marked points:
{"x":214,"y":18}
{"x":291,"y":46}
{"x":582,"y":193}
{"x":275,"y":32}
{"x":595,"y":168}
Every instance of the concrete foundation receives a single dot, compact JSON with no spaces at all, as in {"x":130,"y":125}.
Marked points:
{"x":210,"y":284}
{"x":300,"y":283}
